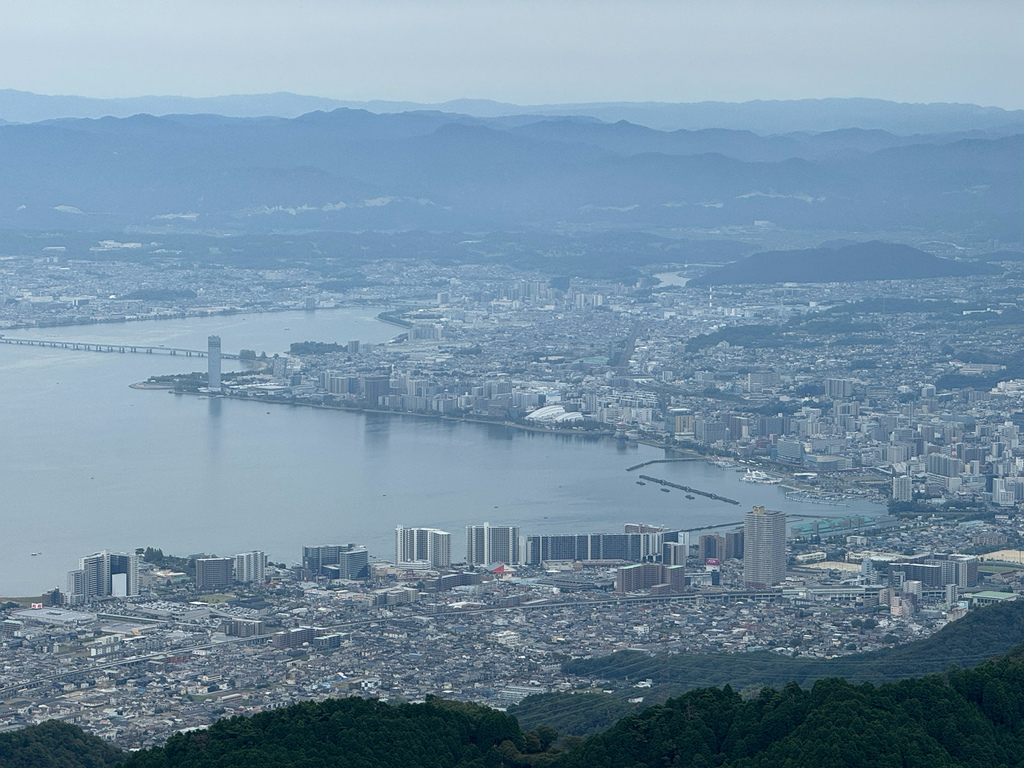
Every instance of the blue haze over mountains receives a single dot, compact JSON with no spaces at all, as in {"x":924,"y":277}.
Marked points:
{"x":856,"y":166}
{"x":815,"y":115}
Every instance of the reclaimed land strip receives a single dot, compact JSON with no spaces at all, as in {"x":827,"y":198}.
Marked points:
{"x":394,"y":318}
{"x":586,"y":435}
{"x":661,"y":461}
{"x":688,"y":489}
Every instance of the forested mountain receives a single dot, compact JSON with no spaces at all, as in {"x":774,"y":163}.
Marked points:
{"x":969,"y":718}
{"x":862,"y":261}
{"x":355,"y":170}
{"x":986,"y":632}
{"x":357,"y":733}
{"x":54,"y":744}
{"x":966,"y":718}
{"x":765,"y":117}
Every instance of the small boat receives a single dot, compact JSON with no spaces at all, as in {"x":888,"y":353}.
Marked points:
{"x":640,"y":482}
{"x":36,"y":554}
{"x":690,"y":496}
{"x":664,"y":490}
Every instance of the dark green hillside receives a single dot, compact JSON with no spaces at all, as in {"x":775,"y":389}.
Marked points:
{"x":355,"y":733}
{"x":969,"y":718}
{"x":980,"y":635}
{"x":54,"y":744}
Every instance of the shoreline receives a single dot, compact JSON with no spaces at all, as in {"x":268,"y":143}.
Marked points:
{"x":182,"y":315}
{"x":430,"y":416}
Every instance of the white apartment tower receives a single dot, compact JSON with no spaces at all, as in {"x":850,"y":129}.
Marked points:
{"x":422,"y":547}
{"x":486,"y":544}
{"x":764,"y":548}
{"x":902,"y":488}
{"x":250,"y":567}
{"x":104,"y":574}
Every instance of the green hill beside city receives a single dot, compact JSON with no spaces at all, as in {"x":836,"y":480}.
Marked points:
{"x":996,"y":629}
{"x":951,"y":716}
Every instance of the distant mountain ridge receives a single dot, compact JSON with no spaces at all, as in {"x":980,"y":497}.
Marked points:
{"x":764,"y":117}
{"x":873,"y":260}
{"x":353,"y":170}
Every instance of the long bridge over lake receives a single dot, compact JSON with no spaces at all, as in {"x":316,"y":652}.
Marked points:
{"x":111,"y":346}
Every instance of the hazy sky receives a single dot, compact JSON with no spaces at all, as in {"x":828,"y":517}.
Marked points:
{"x":524,"y":51}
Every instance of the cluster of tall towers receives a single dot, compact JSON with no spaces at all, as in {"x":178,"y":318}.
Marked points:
{"x":432,"y":548}
{"x":116,"y":574}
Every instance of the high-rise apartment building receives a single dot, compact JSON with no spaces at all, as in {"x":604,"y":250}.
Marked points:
{"x":214,"y":572}
{"x":902,"y":488}
{"x":593,"y":547}
{"x":764,"y":548}
{"x":839,"y":388}
{"x":336,"y":561}
{"x":486,"y":544}
{"x":250,"y":567}
{"x":422,"y":547}
{"x":104,"y":574}
{"x":213,"y":363}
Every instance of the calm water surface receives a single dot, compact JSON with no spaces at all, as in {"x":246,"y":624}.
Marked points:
{"x":86,"y":463}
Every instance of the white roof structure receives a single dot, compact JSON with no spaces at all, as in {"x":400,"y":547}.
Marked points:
{"x":553,"y":414}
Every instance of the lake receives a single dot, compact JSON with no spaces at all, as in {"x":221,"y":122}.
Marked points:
{"x":86,"y":463}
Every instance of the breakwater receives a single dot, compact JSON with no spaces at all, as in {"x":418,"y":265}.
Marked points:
{"x":688,"y":489}
{"x":660,"y":461}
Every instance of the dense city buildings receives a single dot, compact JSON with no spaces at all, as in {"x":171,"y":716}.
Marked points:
{"x":903,"y":397}
{"x":168,"y":658}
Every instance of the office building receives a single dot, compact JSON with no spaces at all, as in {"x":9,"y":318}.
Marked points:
{"x":764,"y":548}
{"x":214,"y":572}
{"x":213,"y":363}
{"x":422,"y":547}
{"x":734,"y":545}
{"x":710,"y":547}
{"x":374,"y":388}
{"x":250,"y":567}
{"x":104,"y":574}
{"x":486,"y":544}
{"x":336,"y":561}
{"x":936,"y":571}
{"x":673,"y":553}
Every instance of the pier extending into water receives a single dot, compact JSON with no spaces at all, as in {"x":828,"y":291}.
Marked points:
{"x":688,"y":489}
{"x":120,"y":347}
{"x":660,"y":461}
